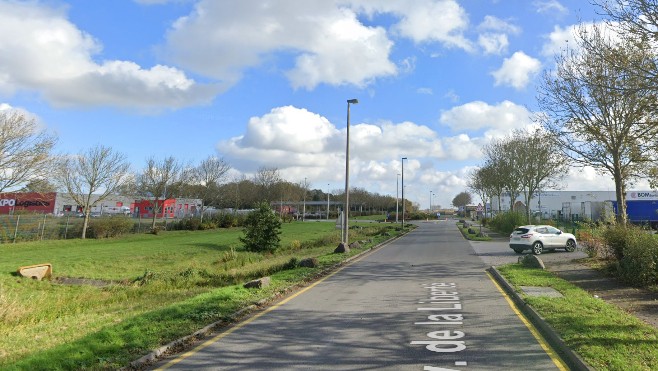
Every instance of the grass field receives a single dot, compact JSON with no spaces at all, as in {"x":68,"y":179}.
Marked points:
{"x":169,"y":285}
{"x":606,"y":337}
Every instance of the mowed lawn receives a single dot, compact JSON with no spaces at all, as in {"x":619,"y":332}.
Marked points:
{"x":165,"y":286}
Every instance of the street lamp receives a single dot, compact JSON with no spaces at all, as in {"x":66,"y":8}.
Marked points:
{"x":403,"y":158}
{"x":431,"y":201}
{"x":304,"y":209}
{"x":397,"y":197}
{"x":327,"y":201}
{"x":347,"y":176}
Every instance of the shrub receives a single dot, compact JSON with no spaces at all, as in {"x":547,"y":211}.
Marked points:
{"x":617,"y":236}
{"x":639,"y":264}
{"x":594,"y":246}
{"x":262,"y":228}
{"x":506,"y":222}
{"x":110,"y":227}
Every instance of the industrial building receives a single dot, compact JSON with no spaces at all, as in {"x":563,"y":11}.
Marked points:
{"x":60,"y":204}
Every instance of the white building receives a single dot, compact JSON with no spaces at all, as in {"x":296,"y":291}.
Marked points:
{"x":580,"y":205}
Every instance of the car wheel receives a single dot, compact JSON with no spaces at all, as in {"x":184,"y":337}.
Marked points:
{"x":537,"y":248}
{"x":518,"y":251}
{"x":571,"y":246}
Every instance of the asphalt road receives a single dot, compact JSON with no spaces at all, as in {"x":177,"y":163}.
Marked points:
{"x":423,"y":302}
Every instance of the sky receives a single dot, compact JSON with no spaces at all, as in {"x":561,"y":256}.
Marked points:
{"x":265,"y":83}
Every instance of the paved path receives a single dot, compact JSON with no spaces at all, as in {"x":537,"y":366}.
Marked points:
{"x":424,"y":302}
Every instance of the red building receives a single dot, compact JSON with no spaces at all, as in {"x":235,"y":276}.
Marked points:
{"x":165,"y":208}
{"x":33,"y":202}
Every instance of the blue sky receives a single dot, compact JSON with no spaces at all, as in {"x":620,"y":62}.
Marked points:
{"x":265,"y":83}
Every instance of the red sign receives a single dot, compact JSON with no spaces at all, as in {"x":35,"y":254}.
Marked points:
{"x":32,"y":202}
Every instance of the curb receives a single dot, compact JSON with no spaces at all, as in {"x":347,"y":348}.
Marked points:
{"x":568,"y":356}
{"x":155,"y":355}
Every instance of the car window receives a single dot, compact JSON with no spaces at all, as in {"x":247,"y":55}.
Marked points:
{"x":553,"y":230}
{"x":521,"y":230}
{"x":541,"y":230}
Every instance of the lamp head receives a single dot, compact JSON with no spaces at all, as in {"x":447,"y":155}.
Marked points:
{"x":353,"y":101}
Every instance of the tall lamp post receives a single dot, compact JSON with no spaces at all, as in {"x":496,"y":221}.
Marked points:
{"x":397,"y":197}
{"x":347,"y":176}
{"x":431,"y":202}
{"x":327,"y":201}
{"x":304,"y":209}
{"x":403,"y":158}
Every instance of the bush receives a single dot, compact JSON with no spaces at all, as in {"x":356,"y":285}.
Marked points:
{"x":110,"y":227}
{"x":617,"y":236}
{"x":639,"y":265}
{"x":506,"y":222}
{"x":594,"y":246}
{"x":262,"y":228}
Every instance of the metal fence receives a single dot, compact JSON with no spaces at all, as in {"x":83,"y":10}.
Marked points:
{"x":35,"y":227}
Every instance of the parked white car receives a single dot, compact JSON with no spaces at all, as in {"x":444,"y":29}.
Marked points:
{"x":539,"y":238}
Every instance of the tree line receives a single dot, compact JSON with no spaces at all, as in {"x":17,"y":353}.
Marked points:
{"x":27,"y":164}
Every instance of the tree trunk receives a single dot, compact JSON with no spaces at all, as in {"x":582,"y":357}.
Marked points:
{"x":85,"y":224}
{"x":620,"y":190}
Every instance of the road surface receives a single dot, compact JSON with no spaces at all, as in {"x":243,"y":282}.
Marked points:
{"x":423,"y":302}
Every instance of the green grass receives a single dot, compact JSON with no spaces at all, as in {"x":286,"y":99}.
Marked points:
{"x":605,"y":336}
{"x":173,"y":283}
{"x":472,"y":236}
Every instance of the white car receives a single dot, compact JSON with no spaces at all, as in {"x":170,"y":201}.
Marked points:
{"x":539,"y":238}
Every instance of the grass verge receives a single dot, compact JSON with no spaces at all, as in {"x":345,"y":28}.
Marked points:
{"x":605,"y":336}
{"x":466,"y":232}
{"x":171,"y":285}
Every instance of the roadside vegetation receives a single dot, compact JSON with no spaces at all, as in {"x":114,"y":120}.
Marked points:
{"x":606,"y":337}
{"x":142,"y":291}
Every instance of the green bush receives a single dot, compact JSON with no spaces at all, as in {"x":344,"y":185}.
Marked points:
{"x":506,"y":222}
{"x":262,"y":228}
{"x":639,"y":265}
{"x":617,"y":236}
{"x":226,"y":220}
{"x":110,"y":227}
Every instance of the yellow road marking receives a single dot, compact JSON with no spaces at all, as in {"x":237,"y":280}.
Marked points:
{"x":238,"y":326}
{"x":540,"y":339}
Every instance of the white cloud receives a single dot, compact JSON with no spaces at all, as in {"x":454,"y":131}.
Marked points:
{"x":40,"y":50}
{"x":220,"y":39}
{"x":426,"y":91}
{"x":491,"y":23}
{"x":517,"y":70}
{"x":493,"y":43}
{"x":325,"y":38}
{"x":550,"y":6}
{"x":478,"y":115}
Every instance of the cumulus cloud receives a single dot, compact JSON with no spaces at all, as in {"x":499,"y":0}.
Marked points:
{"x":40,"y":50}
{"x":493,"y":43}
{"x":326,"y":39}
{"x":220,"y":39}
{"x":304,"y":144}
{"x":478,"y":115}
{"x":517,"y":70}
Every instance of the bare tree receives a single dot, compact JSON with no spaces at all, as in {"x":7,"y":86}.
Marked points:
{"x":502,"y":156}
{"x":598,"y":113}
{"x":24,"y":150}
{"x":156,"y":181}
{"x":266,"y":180}
{"x":206,"y":178}
{"x":540,"y":163}
{"x":91,"y":176}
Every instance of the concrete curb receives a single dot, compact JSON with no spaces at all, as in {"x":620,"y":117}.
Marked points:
{"x":568,"y":356}
{"x":156,"y":354}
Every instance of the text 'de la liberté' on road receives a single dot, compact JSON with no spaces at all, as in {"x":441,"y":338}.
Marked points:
{"x":442,"y":308}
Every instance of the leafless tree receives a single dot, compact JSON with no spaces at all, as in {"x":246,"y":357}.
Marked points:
{"x":24,"y":150}
{"x":91,"y":176}
{"x":206,"y":179}
{"x":266,"y":179}
{"x":600,"y":114}
{"x":156,"y":181}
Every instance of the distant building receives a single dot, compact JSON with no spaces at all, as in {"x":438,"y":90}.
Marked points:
{"x":61,"y":204}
